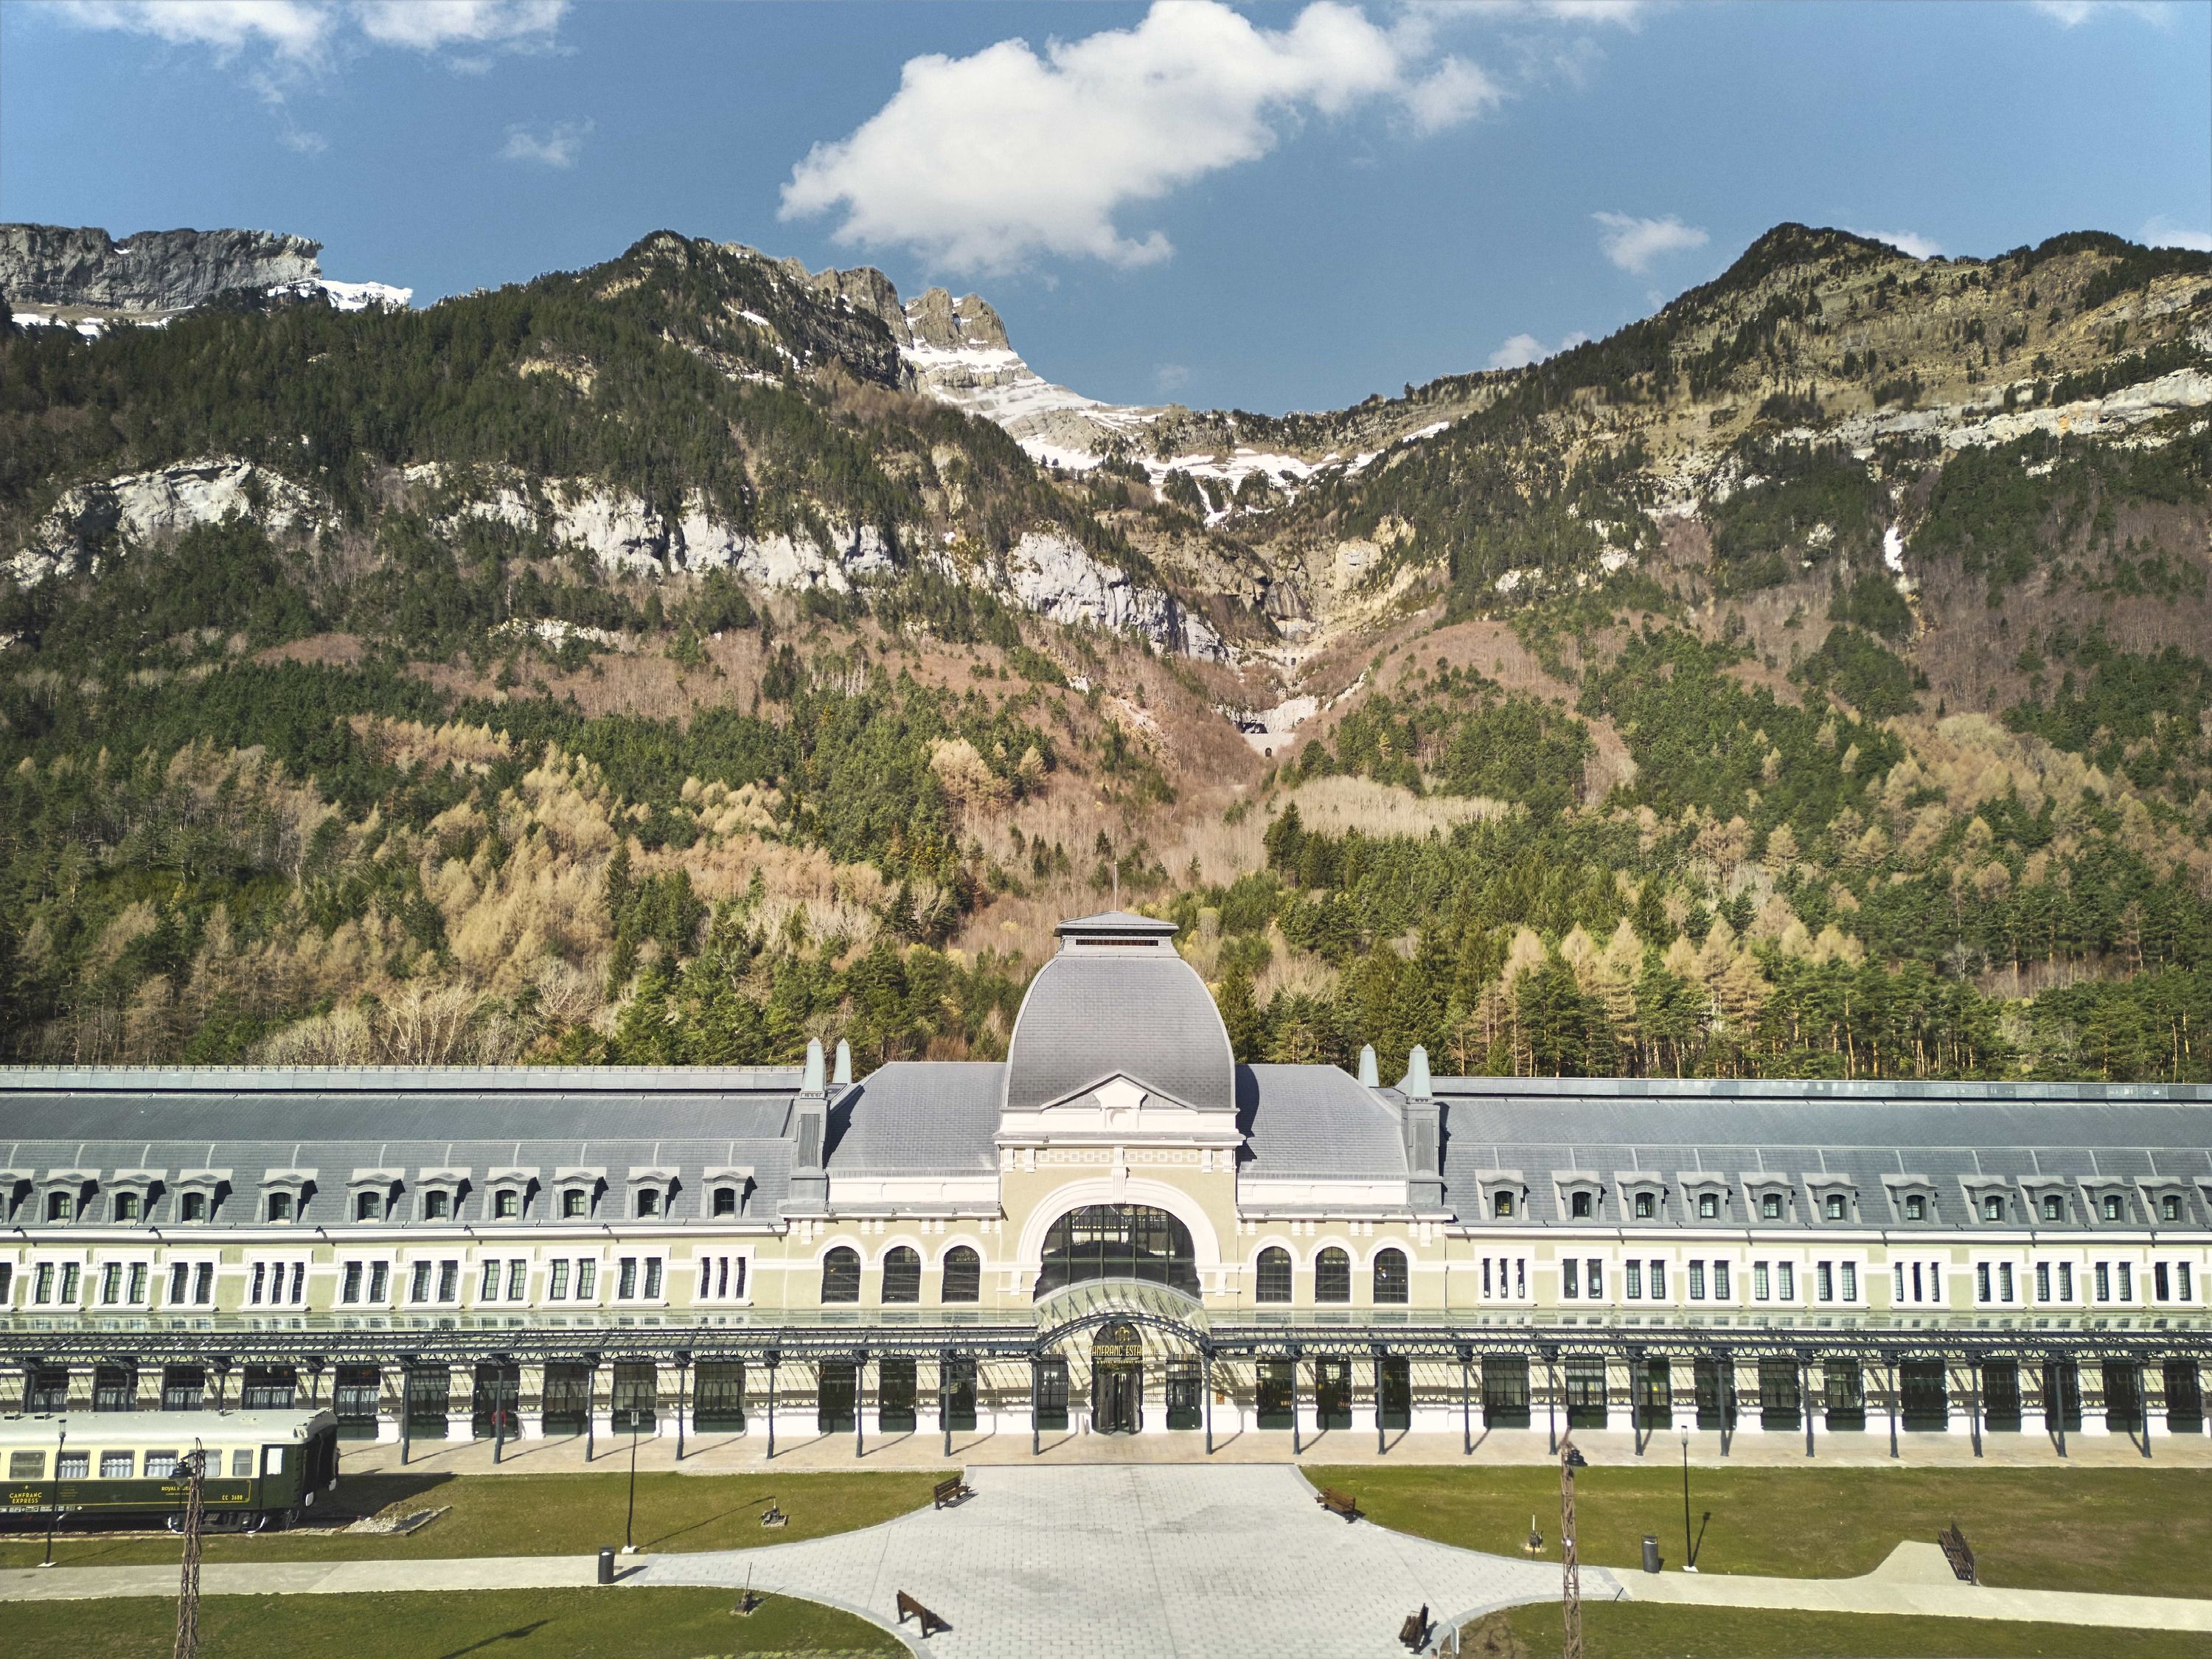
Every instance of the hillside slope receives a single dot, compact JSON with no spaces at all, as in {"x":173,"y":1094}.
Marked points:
{"x":683,"y":657}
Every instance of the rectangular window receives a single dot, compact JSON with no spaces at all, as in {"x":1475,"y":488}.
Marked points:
{"x":1982,"y":1281}
{"x":2104,"y":1282}
{"x":2181,"y":1278}
{"x":1634,"y":1271}
{"x":489,"y":1290}
{"x":626,"y":1278}
{"x":203,"y":1283}
{"x":420,"y":1289}
{"x":73,"y":1465}
{"x":26,"y":1465}
{"x":2004,"y":1281}
{"x":1570,"y":1272}
{"x":1520,"y":1275}
{"x":7,"y":1283}
{"x":1758,"y":1282}
{"x":299,"y":1282}
{"x":1785,"y":1274}
{"x":111,"y":1282}
{"x":1658,"y":1281}
{"x":1720,"y":1281}
{"x":350,"y":1286}
{"x":651,"y":1278}
{"x":1485,"y":1276}
{"x":449,"y":1281}
{"x":2127,"y":1283}
{"x":518,"y":1281}
{"x":241,"y":1461}
{"x":1824,"y":1280}
{"x":1896,"y":1296}
{"x":556,"y":1289}
{"x":587,"y":1278}
{"x":1697,"y":1281}
{"x":1850,"y":1281}
{"x":2043,"y":1281}
{"x":160,"y":1465}
{"x":380,"y":1275}
{"x":42,"y":1284}
{"x":2065,"y":1281}
{"x":115,"y":1466}
{"x":137,"y":1283}
{"x":1594,"y":1278}
{"x":259,"y":1269}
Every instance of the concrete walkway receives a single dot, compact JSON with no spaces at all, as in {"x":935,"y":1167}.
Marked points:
{"x":1230,"y":1562}
{"x":1916,"y":1579}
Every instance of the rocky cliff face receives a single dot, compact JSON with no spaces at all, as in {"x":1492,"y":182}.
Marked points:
{"x":155,"y":271}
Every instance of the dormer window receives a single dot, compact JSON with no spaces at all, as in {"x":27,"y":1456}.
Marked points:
{"x":1647,"y":1206}
{"x":725,"y":1201}
{"x":61,"y":1207}
{"x":575,"y":1203}
{"x":1502,"y":1206}
{"x":192,"y":1206}
{"x":1916,"y":1206}
{"x":506,"y":1204}
{"x":368,"y":1206}
{"x":2115,"y":1207}
{"x":280,"y":1206}
{"x":2169,"y":1207}
{"x":129,"y":1206}
{"x":1709,"y":1205}
{"x":1993,"y":1206}
{"x":1836,"y":1208}
{"x":437,"y":1205}
{"x":2054,"y":1207}
{"x":1578,"y":1206}
{"x":1770,"y":1206}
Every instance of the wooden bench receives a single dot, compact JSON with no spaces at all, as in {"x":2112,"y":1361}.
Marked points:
{"x":1339,"y":1503}
{"x":910,"y":1609}
{"x":1958,"y":1552}
{"x":951,"y":1492}
{"x":1414,"y":1634}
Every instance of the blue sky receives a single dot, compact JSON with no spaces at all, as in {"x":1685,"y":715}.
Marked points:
{"x":1274,"y":207}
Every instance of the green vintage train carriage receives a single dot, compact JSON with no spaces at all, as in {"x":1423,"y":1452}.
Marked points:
{"x":264,"y":1468}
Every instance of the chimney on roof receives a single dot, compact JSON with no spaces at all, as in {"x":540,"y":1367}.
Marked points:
{"x":1414,"y":1085}
{"x":812,"y":1083}
{"x":1422,"y":1117}
{"x":1370,"y":1074}
{"x":843,"y":1074}
{"x":810,"y":1122}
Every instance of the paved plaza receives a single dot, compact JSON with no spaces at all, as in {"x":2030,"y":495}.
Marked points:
{"x":1230,"y":1561}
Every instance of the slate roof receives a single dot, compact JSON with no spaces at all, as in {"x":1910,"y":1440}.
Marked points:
{"x":1315,"y":1123}
{"x":919,"y":1118}
{"x":1146,"y":1013}
{"x":254,"y":1123}
{"x":1952,"y":1143}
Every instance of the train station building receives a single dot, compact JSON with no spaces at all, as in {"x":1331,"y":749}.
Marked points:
{"x":1119,"y":1230}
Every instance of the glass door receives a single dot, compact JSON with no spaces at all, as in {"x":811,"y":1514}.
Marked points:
{"x":1925,"y":1406}
{"x":2000,"y":1395}
{"x":835,"y":1396}
{"x":1186,"y":1406}
{"x":1506,"y":1390}
{"x":491,"y":1403}
{"x":1780,"y":1406}
{"x":1052,"y":1393}
{"x":1333,"y":1393}
{"x":1278,"y":1392}
{"x":719,"y":1401}
{"x":568,"y":1402}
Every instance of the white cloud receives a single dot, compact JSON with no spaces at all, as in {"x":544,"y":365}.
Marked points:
{"x":1635,"y":244}
{"x":290,"y":29}
{"x":1522,"y":349}
{"x":1171,"y":377}
{"x":2162,"y":232}
{"x":1911,"y":243}
{"x":300,"y":141}
{"x":987,"y":161}
{"x":2072,"y":14}
{"x":431,"y":25}
{"x":554,"y":146}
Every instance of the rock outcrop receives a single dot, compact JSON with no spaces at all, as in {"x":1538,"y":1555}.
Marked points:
{"x":156,"y":270}
{"x":91,"y":518}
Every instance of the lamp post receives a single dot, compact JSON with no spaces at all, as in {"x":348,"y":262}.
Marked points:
{"x":54,"y":1513}
{"x":1689,"y":1544}
{"x":630,"y":1520}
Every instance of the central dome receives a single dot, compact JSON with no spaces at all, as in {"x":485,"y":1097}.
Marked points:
{"x":1118,"y":1001}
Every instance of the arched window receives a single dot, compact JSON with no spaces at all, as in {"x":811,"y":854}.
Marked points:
{"x":128,"y":1206}
{"x":437,"y":1205}
{"x":1332,"y":1276}
{"x":2169,"y":1208}
{"x":60,"y":1206}
{"x":649,"y":1201}
{"x":1709,"y":1205}
{"x":280,"y":1206}
{"x":2113,"y":1207}
{"x":506,"y":1204}
{"x":1118,"y":1240}
{"x":1916,"y":1206}
{"x":1390,"y":1275}
{"x":195,"y":1206}
{"x":1993,"y":1207}
{"x":901,"y":1275}
{"x":368,"y":1206}
{"x":725,"y":1201}
{"x":1274,"y":1280}
{"x":964,"y":1275}
{"x":1646,"y":1207}
{"x":841,"y":1276}
{"x":1838,"y":1207}
{"x":1502,"y":1206}
{"x":575,"y":1202}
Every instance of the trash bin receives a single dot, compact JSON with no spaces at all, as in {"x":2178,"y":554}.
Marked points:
{"x":607,"y":1560}
{"x":1650,"y":1554}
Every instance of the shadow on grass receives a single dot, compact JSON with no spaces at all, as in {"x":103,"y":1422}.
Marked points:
{"x":738,"y":1508}
{"x":520,"y":1632}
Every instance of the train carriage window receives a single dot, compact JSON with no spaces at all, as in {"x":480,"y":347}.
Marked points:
{"x":115,"y":1465}
{"x":160,"y":1465}
{"x":26,"y":1466}
{"x":963,"y":1274}
{"x":241,"y":1462}
{"x":73,"y":1465}
{"x":272,"y":1460}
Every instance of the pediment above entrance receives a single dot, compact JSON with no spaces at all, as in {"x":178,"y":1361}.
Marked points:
{"x":1118,"y":1109}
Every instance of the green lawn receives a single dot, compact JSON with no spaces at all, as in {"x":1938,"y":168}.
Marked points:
{"x":1627,"y":1631}
{"x":541,"y":1515}
{"x":2135,"y":1532}
{"x":563,"y":1623}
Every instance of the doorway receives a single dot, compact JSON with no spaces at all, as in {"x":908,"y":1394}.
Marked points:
{"x":1117,"y":1380}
